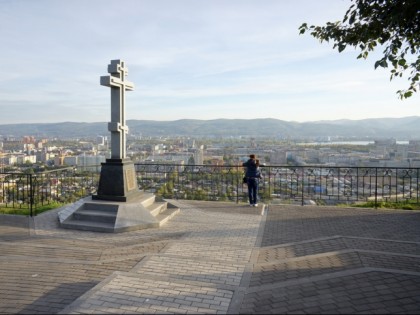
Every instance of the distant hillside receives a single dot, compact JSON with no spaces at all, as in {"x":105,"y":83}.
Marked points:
{"x":400,"y":128}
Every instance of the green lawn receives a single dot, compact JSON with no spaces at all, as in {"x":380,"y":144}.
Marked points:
{"x":24,"y":210}
{"x":405,"y":205}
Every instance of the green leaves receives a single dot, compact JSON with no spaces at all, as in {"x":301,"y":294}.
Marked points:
{"x":363,"y":55}
{"x":382,"y":63}
{"x":341,"y":47}
{"x":352,"y":17}
{"x":393,"y":24}
{"x":303,"y":28}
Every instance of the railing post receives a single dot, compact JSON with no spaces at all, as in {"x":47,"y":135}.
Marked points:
{"x":238,"y":179}
{"x":269,"y":185}
{"x":303,"y":183}
{"x":376,"y":187}
{"x":357,"y":184}
{"x":31,"y":195}
{"x":417,"y":186}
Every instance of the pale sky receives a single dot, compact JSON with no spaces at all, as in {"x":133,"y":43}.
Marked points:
{"x":194,"y":59}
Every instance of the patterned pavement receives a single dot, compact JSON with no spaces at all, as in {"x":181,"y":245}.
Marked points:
{"x":218,"y":258}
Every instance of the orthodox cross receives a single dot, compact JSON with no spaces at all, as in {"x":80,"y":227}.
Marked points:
{"x":116,"y":81}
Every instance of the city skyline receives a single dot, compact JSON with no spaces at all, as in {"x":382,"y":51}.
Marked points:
{"x":188,"y":60}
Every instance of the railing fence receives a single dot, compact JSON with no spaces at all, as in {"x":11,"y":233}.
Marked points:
{"x":294,"y":184}
{"x":302,"y":185}
{"x":29,"y":192}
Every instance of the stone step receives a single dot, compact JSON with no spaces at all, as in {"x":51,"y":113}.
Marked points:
{"x":166,"y":215}
{"x":145,"y":199}
{"x":95,"y":206}
{"x":142,"y":212}
{"x":106,"y":226}
{"x":95,"y":216}
{"x":89,"y":226}
{"x":157,"y":207}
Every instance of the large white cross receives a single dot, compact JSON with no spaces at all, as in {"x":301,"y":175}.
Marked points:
{"x":116,"y":81}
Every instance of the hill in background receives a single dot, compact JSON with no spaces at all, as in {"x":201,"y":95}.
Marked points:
{"x":399,"y":128}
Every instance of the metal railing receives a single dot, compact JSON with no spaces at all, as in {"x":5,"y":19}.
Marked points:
{"x":283,"y":184}
{"x":319,"y":185}
{"x":29,"y":192}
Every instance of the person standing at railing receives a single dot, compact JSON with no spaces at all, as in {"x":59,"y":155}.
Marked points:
{"x":252,"y":175}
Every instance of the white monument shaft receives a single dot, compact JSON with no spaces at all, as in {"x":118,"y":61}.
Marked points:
{"x":116,"y":81}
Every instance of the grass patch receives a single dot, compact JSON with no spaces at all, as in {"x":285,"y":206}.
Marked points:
{"x":404,"y":205}
{"x":24,"y":210}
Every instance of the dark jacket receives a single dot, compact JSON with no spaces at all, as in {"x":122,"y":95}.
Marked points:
{"x":252,"y":169}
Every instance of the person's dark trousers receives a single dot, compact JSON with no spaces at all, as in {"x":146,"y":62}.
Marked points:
{"x":252,"y":190}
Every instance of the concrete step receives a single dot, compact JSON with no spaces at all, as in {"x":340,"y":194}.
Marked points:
{"x":157,"y":207}
{"x":145,"y":199}
{"x":143,"y":212}
{"x":95,"y":216}
{"x":166,"y":215}
{"x":109,"y":208}
{"x":88,"y":226}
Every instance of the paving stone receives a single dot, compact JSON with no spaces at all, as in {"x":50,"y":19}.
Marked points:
{"x":312,"y":260}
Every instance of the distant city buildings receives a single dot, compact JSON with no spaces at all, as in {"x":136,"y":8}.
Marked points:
{"x":28,"y":150}
{"x":88,"y":154}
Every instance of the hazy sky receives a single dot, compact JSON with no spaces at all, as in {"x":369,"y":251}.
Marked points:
{"x":196,"y":59}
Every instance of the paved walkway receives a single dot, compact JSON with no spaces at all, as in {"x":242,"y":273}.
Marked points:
{"x":218,"y":258}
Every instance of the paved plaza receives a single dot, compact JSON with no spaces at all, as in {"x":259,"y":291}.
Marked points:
{"x":216,"y":257}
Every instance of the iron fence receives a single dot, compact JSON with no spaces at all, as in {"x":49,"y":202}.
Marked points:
{"x":26,"y":193}
{"x":319,"y":185}
{"x":195,"y":182}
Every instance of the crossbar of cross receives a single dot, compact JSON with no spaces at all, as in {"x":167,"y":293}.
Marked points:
{"x":116,"y":81}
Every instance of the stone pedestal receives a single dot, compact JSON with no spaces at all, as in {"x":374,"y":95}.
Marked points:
{"x":118,"y":181}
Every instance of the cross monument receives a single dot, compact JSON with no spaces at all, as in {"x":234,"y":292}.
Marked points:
{"x":119,"y":205}
{"x":118,"y":177}
{"x":116,"y":81}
